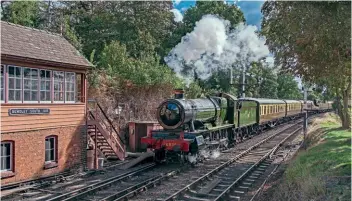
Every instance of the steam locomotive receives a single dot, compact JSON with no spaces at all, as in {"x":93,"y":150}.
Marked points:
{"x":193,"y":128}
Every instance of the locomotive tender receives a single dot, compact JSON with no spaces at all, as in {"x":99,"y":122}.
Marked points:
{"x":195,"y":127}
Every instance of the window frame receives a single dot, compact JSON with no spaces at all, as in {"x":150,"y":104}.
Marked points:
{"x":19,"y":88}
{"x":63,"y":88}
{"x":3,"y":85}
{"x":30,"y":90}
{"x":51,"y":86}
{"x":8,"y":87}
{"x":55,"y":137}
{"x":74,"y":87}
{"x":12,"y":165}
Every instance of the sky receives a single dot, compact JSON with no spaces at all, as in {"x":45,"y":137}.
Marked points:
{"x":250,"y":9}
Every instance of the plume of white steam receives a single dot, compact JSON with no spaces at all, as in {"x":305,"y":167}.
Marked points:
{"x":212,"y":45}
{"x":178,"y":17}
{"x":215,"y":154}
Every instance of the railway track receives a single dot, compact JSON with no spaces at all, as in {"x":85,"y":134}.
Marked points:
{"x":57,"y":177}
{"x":232,"y":179}
{"x":43,"y":189}
{"x":236,"y":173}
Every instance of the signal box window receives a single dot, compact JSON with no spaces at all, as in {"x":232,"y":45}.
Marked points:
{"x":31,"y":83}
{"x":58,"y":86}
{"x":50,"y":149}
{"x":15,"y":84}
{"x":70,"y":87}
{"x":6,"y":156}
{"x":2,"y":83}
{"x":45,"y":86}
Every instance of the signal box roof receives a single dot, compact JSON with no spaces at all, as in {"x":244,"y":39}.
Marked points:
{"x":25,"y":43}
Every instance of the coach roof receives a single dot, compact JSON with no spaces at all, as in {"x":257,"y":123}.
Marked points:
{"x":264,"y":100}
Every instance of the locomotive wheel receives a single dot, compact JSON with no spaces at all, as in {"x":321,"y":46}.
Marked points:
{"x":160,"y":156}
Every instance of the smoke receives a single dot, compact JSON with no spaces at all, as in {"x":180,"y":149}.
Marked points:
{"x":215,"y":154}
{"x":212,"y":46}
{"x":209,"y":153}
{"x":178,"y":17}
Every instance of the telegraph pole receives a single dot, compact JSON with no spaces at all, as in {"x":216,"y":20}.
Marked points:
{"x":243,"y":81}
{"x":305,"y":117}
{"x":242,"y":92}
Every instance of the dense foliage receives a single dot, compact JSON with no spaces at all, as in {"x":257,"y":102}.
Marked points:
{"x":311,"y":40}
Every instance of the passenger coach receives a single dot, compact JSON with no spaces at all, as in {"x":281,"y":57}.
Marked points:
{"x":43,"y":104}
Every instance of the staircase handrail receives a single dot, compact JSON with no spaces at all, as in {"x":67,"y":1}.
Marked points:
{"x":107,"y":118}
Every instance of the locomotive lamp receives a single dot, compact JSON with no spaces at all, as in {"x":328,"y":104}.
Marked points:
{"x":179,"y":93}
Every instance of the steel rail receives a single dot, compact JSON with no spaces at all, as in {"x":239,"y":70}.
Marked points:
{"x":143,"y":186}
{"x":39,"y":182}
{"x":97,"y":186}
{"x":217,"y":169}
{"x":250,"y":169}
{"x":271,"y":173}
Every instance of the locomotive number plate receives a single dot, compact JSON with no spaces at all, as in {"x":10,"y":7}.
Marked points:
{"x":170,"y":144}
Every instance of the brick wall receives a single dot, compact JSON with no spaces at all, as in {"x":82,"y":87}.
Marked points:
{"x":30,"y":152}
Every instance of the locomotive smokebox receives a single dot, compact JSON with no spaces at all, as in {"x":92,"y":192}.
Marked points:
{"x":179,"y":93}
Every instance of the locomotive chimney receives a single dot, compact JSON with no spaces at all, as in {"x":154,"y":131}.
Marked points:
{"x":178,"y":93}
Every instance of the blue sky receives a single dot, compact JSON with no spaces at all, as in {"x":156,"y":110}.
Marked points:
{"x":250,"y":9}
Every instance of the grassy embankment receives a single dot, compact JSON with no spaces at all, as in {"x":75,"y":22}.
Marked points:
{"x":323,"y":170}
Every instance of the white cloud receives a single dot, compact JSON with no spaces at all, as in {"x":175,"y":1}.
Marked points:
{"x":178,"y":15}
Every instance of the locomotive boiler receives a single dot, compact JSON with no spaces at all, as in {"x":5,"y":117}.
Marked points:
{"x":192,"y":114}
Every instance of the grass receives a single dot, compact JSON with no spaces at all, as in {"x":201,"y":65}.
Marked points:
{"x":322,"y":172}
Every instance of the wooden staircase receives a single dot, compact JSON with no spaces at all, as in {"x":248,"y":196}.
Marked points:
{"x":103,"y":134}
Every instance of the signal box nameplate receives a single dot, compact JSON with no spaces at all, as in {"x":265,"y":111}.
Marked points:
{"x":27,"y":111}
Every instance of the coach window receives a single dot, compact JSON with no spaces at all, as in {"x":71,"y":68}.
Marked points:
{"x":264,"y":110}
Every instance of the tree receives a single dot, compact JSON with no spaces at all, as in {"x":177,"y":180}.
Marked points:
{"x":26,"y":13}
{"x":268,"y":85}
{"x":194,"y":90}
{"x":288,"y":87}
{"x":307,"y":40}
{"x":117,"y":63}
{"x":141,"y":26}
